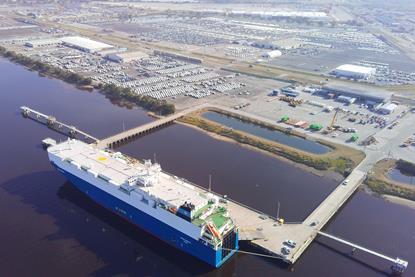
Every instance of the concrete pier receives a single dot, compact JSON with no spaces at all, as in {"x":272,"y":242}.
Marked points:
{"x":266,"y":233}
{"x":56,"y":125}
{"x":143,"y":129}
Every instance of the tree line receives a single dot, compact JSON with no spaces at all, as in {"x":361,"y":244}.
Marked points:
{"x":46,"y":69}
{"x":110,"y":90}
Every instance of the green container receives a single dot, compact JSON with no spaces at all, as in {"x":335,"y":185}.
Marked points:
{"x":316,"y":127}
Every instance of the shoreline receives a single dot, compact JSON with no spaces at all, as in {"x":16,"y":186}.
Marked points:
{"x":321,"y":173}
{"x":399,"y":200}
{"x":272,"y":127}
{"x":110,"y":91}
{"x":338,"y":160}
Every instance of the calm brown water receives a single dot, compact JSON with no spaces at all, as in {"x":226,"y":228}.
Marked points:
{"x":397,"y":175}
{"x":48,"y":228}
{"x":274,"y":135}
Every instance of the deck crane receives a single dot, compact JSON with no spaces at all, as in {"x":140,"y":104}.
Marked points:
{"x":333,"y":120}
{"x":330,"y":128}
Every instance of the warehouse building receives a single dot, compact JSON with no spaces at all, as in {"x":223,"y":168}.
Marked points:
{"x":387,"y":108}
{"x":272,"y":54}
{"x":85,"y":44}
{"x":114,"y":50}
{"x":126,"y":57}
{"x":368,"y":96}
{"x":352,"y":71}
{"x":290,"y":91}
{"x":346,"y":99}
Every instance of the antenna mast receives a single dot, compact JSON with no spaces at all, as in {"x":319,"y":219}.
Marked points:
{"x":278,"y":210}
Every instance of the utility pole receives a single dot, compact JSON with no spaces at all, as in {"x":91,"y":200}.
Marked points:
{"x":278,"y":210}
{"x":154,"y":157}
{"x":210,"y":182}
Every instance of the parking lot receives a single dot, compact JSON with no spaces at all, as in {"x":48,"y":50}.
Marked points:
{"x":350,"y":119}
{"x":319,"y":47}
{"x":158,"y":76}
{"x":353,"y":119}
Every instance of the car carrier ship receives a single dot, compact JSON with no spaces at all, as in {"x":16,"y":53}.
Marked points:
{"x":181,"y":214}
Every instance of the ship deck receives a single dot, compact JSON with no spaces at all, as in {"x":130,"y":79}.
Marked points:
{"x":117,"y":171}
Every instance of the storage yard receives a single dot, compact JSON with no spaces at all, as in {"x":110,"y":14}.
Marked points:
{"x":306,"y":42}
{"x":354,"y":113}
{"x":313,"y":49}
{"x":353,"y":122}
{"x":156,"y":74}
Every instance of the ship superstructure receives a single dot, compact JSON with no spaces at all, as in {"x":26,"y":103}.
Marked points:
{"x":180,"y":213}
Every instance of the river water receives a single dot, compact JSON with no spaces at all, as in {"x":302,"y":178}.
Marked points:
{"x":48,"y":228}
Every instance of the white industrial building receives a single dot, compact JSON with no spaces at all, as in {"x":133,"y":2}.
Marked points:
{"x":272,"y":54}
{"x":371,"y":97}
{"x":43,"y":42}
{"x":125,"y":57}
{"x":352,"y":71}
{"x":387,"y":108}
{"x":85,"y":44}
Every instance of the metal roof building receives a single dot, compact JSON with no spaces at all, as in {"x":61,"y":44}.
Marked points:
{"x":354,"y":71}
{"x":361,"y":94}
{"x":387,"y":108}
{"x":271,"y":54}
{"x":85,"y":44}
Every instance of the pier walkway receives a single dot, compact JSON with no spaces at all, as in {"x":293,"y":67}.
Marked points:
{"x":53,"y":123}
{"x":399,"y":265}
{"x":354,"y":245}
{"x":146,"y":128}
{"x":269,"y":235}
{"x":266,"y":233}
